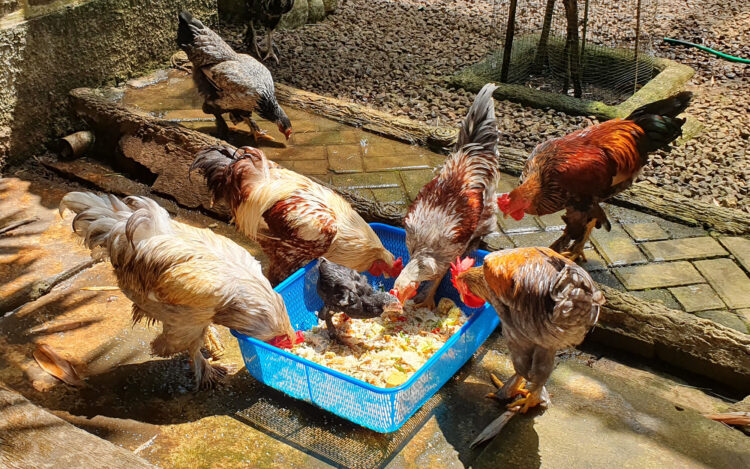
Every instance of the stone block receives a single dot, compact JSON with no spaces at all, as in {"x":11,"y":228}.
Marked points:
{"x":740,"y":249}
{"x":659,"y":295}
{"x":729,"y":281}
{"x":414,"y":180}
{"x":725,"y":318}
{"x":700,"y":297}
{"x":345,"y":159}
{"x":685,"y":248}
{"x":616,"y":247}
{"x":646,"y":231}
{"x":670,"y":274}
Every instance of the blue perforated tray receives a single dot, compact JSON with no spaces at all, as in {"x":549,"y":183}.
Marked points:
{"x":381,"y":409}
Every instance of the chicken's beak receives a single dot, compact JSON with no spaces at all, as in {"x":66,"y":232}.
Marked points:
{"x":288,"y":133}
{"x":409,"y":292}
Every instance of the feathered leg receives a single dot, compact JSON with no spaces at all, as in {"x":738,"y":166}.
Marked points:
{"x":213,"y":343}
{"x":542,"y":364}
{"x":206,"y":374}
{"x":258,"y":134}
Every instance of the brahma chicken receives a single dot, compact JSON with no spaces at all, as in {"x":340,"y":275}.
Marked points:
{"x":268,"y":13}
{"x":294,"y":219}
{"x":186,"y":278}
{"x":230,"y":82}
{"x":580,"y":170}
{"x":344,"y":290}
{"x":546,"y":303}
{"x":456,"y":208}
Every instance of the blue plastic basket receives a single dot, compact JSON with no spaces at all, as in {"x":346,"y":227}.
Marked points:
{"x":380,"y":409}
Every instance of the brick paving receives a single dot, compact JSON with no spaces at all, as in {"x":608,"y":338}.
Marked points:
{"x":681,"y":266}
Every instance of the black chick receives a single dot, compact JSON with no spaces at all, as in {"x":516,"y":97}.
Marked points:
{"x":343,"y":289}
{"x":267,"y":13}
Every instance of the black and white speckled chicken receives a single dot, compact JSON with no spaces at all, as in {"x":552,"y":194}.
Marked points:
{"x":228,"y":81}
{"x":344,"y":290}
{"x":266,"y":13}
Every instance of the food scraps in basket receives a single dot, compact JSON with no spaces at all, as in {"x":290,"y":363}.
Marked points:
{"x":384,"y":351}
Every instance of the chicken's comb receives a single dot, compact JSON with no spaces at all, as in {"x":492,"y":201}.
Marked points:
{"x":459,"y":267}
{"x":503,"y":202}
{"x":398,"y":266}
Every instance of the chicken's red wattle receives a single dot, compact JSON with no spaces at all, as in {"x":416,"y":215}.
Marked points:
{"x":283,"y":341}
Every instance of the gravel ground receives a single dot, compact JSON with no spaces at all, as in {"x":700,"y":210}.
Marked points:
{"x":395,"y":55}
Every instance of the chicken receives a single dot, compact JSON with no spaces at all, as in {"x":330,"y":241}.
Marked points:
{"x":230,"y":82}
{"x":456,"y":208}
{"x":545,"y":302}
{"x":186,"y":278}
{"x":268,"y":13}
{"x":580,"y":170}
{"x":343,"y":289}
{"x":294,"y":219}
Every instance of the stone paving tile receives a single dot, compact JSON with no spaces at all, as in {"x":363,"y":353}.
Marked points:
{"x":678,"y":230}
{"x":729,"y":281}
{"x":526,"y":224}
{"x":606,"y":277}
{"x":551,"y":222}
{"x":181,"y":115}
{"x":345,"y":159}
{"x":310,"y":152}
{"x":498,"y":241}
{"x":700,"y":297}
{"x":308,"y":167}
{"x":382,"y":147}
{"x":625,"y":215}
{"x":390,"y":195}
{"x":659,"y":295}
{"x":685,"y":248}
{"x":593,"y":261}
{"x":646,"y":231}
{"x":740,"y":249}
{"x":326,"y":138}
{"x":506,"y":183}
{"x":414,"y":180}
{"x":367,"y":180}
{"x":725,"y":318}
{"x":540,"y":238}
{"x":669,"y":274}
{"x":744,"y":314}
{"x":392,"y":163}
{"x":616,"y":247}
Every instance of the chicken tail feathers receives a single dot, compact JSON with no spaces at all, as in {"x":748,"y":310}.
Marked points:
{"x":203,"y":46}
{"x":659,"y":122}
{"x":227,"y":170}
{"x":576,"y":297}
{"x":104,"y":221}
{"x":480,"y":126}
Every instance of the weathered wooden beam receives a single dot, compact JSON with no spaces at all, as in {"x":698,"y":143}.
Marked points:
{"x":382,"y":123}
{"x":682,"y":339}
{"x":31,"y":437}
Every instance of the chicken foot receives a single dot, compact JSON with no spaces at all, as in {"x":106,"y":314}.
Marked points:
{"x":258,"y":134}
{"x":576,"y":250}
{"x":270,"y":47}
{"x":206,"y":374}
{"x":325,"y":314}
{"x":213,"y":344}
{"x":429,"y":299}
{"x":514,"y":387}
{"x":250,"y":40}
{"x":537,"y":396}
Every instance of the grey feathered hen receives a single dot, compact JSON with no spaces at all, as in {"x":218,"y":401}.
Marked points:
{"x":228,"y":81}
{"x":343,"y":289}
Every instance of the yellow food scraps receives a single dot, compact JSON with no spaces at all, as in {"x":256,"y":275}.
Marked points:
{"x":384,"y":351}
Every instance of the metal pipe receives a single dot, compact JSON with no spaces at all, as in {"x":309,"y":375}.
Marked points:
{"x":75,"y":145}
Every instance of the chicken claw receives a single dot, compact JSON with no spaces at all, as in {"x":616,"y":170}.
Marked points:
{"x":212,"y":375}
{"x":533,"y":399}
{"x":261,"y":136}
{"x":213,"y":344}
{"x":515,"y":387}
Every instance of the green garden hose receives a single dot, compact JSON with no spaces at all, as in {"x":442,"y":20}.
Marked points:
{"x":731,"y":58}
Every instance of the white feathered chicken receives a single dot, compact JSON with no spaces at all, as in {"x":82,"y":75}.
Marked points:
{"x":184,"y":277}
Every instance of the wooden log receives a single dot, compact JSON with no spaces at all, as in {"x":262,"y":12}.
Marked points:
{"x":31,"y":437}
{"x":682,"y":339}
{"x":356,"y":115}
{"x":167,"y":150}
